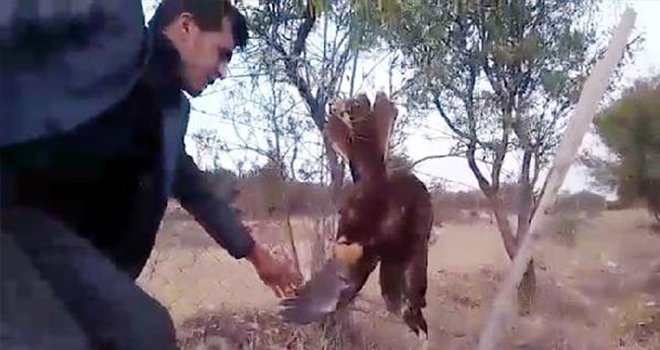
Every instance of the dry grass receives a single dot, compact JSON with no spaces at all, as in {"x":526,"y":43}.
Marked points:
{"x":564,"y":228}
{"x":600,"y":292}
{"x":255,"y":329}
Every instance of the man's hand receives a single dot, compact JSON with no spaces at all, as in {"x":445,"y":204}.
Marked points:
{"x":280,"y":277}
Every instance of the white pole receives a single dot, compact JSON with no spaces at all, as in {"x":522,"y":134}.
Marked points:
{"x":592,"y":92}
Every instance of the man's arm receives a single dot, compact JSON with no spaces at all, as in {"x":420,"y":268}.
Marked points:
{"x":218,"y":217}
{"x":222,"y":222}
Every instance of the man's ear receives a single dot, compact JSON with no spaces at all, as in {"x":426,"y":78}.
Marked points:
{"x":186,"y":23}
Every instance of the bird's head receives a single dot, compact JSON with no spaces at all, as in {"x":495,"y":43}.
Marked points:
{"x":358,"y":130}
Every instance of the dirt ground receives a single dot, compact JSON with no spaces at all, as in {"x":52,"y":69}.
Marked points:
{"x":601,"y":292}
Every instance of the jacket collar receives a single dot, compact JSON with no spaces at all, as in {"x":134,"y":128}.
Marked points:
{"x":162,"y":70}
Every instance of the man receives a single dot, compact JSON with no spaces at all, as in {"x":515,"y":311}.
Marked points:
{"x":91,"y":143}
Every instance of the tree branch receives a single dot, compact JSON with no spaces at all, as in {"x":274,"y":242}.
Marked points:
{"x":484,"y":185}
{"x":450,"y":124}
{"x":424,"y":159}
{"x":524,"y":196}
{"x":304,"y":29}
{"x":291,"y":60}
{"x":500,"y":154}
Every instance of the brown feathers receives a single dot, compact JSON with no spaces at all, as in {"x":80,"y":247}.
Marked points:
{"x":384,"y":217}
{"x":385,"y":114}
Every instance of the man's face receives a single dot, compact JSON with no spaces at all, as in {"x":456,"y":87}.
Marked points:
{"x":204,"y":54}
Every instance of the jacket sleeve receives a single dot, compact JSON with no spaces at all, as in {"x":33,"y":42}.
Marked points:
{"x":218,"y":217}
{"x":76,"y":57}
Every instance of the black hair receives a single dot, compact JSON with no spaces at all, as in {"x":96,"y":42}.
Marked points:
{"x":208,"y":14}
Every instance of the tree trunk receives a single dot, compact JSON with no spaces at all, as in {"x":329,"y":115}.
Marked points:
{"x":527,"y":290}
{"x":503,"y":225}
{"x":527,"y":287}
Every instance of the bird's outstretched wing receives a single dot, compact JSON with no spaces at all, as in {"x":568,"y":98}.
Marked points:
{"x":319,"y":296}
{"x":384,"y":114}
{"x":338,"y":133}
{"x":331,"y":288}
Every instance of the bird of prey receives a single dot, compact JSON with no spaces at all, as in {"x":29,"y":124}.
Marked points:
{"x":385,"y":217}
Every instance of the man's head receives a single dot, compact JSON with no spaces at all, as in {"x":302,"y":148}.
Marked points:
{"x":205,"y":33}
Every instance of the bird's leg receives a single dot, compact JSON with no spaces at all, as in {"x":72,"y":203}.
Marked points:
{"x":424,"y":340}
{"x":415,"y":292}
{"x":391,"y":286}
{"x":421,"y":339}
{"x":415,"y":320}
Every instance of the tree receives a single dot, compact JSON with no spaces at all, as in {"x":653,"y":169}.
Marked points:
{"x":630,"y":128}
{"x":283,"y":32}
{"x":208,"y":144}
{"x":265,"y":121}
{"x":502,"y":76}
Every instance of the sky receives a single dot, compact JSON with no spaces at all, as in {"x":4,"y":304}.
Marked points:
{"x":453,"y":171}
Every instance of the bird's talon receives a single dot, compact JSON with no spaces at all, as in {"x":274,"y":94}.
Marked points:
{"x":425,"y":343}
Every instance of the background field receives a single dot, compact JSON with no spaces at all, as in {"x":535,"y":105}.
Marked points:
{"x":598,"y":280}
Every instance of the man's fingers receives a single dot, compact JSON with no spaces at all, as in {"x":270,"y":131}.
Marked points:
{"x":286,"y":288}
{"x":284,"y":283}
{"x":271,"y":284}
{"x":289,"y":291}
{"x":276,"y":290}
{"x":282,"y":286}
{"x":299,"y":279}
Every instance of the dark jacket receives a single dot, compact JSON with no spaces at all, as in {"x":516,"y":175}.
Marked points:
{"x":109,"y":174}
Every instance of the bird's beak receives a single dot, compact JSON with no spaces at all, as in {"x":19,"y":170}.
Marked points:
{"x":348,"y":253}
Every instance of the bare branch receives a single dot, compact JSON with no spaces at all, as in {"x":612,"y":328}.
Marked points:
{"x":424,"y":159}
{"x":484,"y":185}
{"x":450,"y":124}
{"x":304,"y":29}
{"x":353,"y":72}
{"x":524,"y":196}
